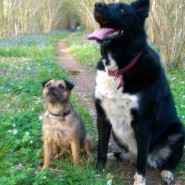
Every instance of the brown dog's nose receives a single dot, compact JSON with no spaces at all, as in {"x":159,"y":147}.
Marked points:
{"x":51,"y":88}
{"x":99,"y":5}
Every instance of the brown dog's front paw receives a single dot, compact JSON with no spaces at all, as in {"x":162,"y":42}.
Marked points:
{"x":45,"y":166}
{"x":76,"y":161}
{"x":91,"y":159}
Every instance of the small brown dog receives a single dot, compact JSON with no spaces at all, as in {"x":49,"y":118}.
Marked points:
{"x":62,"y":127}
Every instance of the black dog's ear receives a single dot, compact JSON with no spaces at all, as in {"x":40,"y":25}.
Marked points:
{"x":45,"y":82}
{"x":69,"y":85}
{"x":142,"y":8}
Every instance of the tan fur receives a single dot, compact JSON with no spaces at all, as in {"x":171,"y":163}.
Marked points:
{"x":62,"y":134}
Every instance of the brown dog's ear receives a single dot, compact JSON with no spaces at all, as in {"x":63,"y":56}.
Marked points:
{"x":45,"y":82}
{"x":69,"y":85}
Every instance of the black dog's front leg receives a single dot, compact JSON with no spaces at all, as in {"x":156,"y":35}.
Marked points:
{"x":104,"y":129}
{"x":143,"y":140}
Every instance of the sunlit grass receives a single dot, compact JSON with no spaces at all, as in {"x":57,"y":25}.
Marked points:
{"x":26,"y":61}
{"x":86,"y":52}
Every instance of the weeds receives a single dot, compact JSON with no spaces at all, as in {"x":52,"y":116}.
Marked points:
{"x":84,"y":51}
{"x":26,"y":61}
{"x":19,"y":16}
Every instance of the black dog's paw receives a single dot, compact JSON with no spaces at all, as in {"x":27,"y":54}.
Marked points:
{"x":100,"y":167}
{"x":167,"y":177}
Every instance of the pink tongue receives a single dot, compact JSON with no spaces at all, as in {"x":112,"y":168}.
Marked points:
{"x":99,"y":34}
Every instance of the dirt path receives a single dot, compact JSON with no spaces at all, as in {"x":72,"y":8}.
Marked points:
{"x":81,"y":76}
{"x":84,"y":78}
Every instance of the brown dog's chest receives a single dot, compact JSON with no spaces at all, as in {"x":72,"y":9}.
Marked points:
{"x":57,"y":130}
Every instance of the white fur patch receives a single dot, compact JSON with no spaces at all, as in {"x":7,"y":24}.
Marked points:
{"x":139,"y":179}
{"x":158,"y":155}
{"x":155,"y":158}
{"x":106,"y":86}
{"x":117,"y":106}
{"x":112,"y":65}
{"x":167,"y":176}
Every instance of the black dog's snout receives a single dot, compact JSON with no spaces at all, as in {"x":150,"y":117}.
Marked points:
{"x":99,"y":5}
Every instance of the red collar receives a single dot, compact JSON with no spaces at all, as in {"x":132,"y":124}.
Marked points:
{"x":118,"y":73}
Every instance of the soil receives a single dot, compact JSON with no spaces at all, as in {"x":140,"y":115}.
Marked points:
{"x":84,"y":80}
{"x":81,"y":76}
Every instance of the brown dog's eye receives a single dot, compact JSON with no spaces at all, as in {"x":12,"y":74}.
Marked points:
{"x":47,"y":85}
{"x":61,"y":86}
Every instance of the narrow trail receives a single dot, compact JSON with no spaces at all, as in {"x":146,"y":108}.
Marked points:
{"x":84,"y":79}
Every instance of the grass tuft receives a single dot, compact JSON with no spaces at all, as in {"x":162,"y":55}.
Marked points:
{"x":26,"y":61}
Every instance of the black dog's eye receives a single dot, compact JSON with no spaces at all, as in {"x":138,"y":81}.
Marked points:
{"x":61,"y":86}
{"x":123,"y":12}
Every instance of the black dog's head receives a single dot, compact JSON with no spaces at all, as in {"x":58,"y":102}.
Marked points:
{"x":119,"y":21}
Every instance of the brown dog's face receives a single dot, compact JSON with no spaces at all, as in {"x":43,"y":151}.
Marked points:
{"x":55,"y":91}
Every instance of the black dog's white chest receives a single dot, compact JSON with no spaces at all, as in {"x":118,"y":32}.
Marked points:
{"x":117,"y":107}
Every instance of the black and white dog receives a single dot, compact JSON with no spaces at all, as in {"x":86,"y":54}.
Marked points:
{"x":132,"y":95}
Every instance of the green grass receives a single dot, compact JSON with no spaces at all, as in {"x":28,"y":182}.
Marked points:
{"x":84,"y":51}
{"x":26,"y":61}
{"x":88,"y":53}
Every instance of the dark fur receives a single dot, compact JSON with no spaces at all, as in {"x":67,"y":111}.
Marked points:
{"x":155,"y":120}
